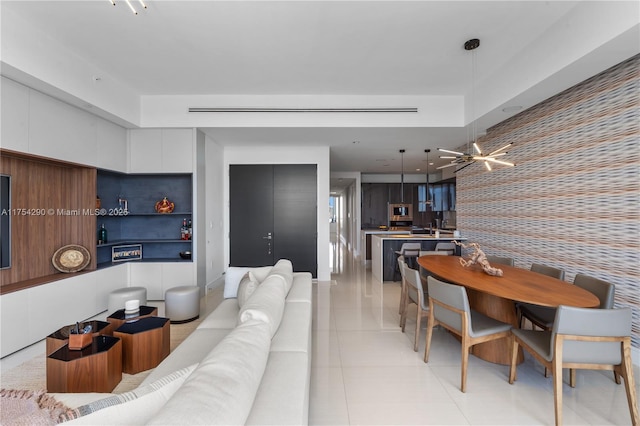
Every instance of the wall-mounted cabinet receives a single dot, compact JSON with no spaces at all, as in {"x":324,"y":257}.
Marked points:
{"x":158,"y":233}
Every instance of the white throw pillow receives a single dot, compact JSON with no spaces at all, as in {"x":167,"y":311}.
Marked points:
{"x":247,"y":286}
{"x":232,"y":279}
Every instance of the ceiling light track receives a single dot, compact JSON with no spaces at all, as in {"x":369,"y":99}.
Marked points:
{"x":304,"y":109}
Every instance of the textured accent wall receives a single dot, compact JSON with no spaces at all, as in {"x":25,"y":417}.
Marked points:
{"x":573,"y":199}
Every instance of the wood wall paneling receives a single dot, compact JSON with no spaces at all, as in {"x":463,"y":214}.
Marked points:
{"x":57,"y":197}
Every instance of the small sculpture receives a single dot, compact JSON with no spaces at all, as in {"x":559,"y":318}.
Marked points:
{"x":478,"y":257}
{"x":165,"y":206}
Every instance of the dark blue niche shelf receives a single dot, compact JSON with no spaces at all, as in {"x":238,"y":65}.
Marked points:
{"x":159,"y":234}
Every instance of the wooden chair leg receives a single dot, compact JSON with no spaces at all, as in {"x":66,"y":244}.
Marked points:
{"x":427,"y":345}
{"x":403,"y":315}
{"x":629,"y":384}
{"x":514,"y":359}
{"x":418,"y":320}
{"x":572,"y":377}
{"x":465,"y":363}
{"x":616,"y":377}
{"x":557,"y":390}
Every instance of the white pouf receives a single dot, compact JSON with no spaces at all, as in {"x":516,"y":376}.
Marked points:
{"x":182,"y":304}
{"x":118,"y":298}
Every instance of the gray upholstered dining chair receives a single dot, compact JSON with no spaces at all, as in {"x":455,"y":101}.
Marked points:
{"x":449,"y":307}
{"x":449,"y":248}
{"x":582,"y":338}
{"x":410,"y":252}
{"x":500,"y":260}
{"x":545,"y":314}
{"x":415,"y":294}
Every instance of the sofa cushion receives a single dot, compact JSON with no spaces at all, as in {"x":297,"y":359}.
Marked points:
{"x":135,"y":407}
{"x":222,"y":389}
{"x":191,"y":351}
{"x":283,"y":396}
{"x":266,"y":304}
{"x":224,"y":316}
{"x":283,"y":269}
{"x":247,"y":286}
{"x":301,"y":288}
{"x":294,"y":333}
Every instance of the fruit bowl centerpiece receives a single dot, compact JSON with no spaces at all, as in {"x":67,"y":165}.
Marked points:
{"x":165,"y":206}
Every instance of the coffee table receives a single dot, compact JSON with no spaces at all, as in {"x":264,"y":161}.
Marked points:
{"x":96,"y":368}
{"x":59,"y":338}
{"x":118,"y":317}
{"x":145,"y":343}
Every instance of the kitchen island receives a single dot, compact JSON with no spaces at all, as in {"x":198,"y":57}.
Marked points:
{"x":384,"y":246}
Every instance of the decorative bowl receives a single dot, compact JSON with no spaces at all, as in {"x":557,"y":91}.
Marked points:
{"x":185,"y":254}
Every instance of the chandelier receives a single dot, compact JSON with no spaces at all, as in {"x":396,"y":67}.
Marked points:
{"x":465,"y":159}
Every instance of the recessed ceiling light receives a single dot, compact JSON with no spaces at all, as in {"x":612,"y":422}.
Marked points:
{"x":511,"y":109}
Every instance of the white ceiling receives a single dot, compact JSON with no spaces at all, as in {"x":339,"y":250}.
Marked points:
{"x":399,"y":49}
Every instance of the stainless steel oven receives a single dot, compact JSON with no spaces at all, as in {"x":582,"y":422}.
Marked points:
{"x":400,"y":215}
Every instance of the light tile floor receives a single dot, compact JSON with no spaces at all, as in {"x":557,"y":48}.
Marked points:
{"x":364,"y":369}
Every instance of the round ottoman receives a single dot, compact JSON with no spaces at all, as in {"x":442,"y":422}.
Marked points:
{"x":118,"y":297}
{"x":182,"y":304}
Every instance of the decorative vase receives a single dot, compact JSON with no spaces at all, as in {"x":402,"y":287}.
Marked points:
{"x":165,"y":206}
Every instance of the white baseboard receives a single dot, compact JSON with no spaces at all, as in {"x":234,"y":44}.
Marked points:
{"x":214,"y":284}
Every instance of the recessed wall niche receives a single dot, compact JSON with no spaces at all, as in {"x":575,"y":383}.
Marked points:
{"x":51,"y":205}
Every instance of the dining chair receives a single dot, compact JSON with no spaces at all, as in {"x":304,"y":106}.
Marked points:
{"x":449,"y":248}
{"x":415,"y":294}
{"x":403,"y":286}
{"x":543,"y":315}
{"x":449,"y":307}
{"x":410,"y":252}
{"x":500,"y":260}
{"x":581,"y":338}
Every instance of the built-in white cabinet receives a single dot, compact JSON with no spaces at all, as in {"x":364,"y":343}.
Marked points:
{"x":161,"y":150}
{"x":28,"y":316}
{"x":15,"y":116}
{"x":159,"y":277}
{"x":35,"y":123}
{"x":111,"y":152}
{"x":61,"y":131}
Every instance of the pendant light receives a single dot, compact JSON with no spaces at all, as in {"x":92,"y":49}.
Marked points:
{"x":428,"y":201}
{"x":471,"y":156}
{"x":402,"y":175}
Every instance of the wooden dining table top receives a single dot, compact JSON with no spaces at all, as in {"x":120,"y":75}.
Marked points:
{"x":517,"y":284}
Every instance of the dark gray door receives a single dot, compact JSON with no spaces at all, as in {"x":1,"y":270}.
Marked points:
{"x":273,"y":215}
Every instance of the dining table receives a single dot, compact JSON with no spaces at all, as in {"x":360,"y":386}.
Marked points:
{"x":496,"y":296}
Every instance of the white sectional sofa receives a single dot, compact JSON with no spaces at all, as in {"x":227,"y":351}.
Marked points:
{"x":248,"y":362}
